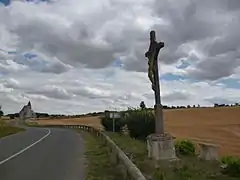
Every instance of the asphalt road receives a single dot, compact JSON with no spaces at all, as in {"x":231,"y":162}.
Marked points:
{"x":42,"y":154}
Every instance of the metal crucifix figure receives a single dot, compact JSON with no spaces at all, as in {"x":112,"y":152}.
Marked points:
{"x":152,"y":55}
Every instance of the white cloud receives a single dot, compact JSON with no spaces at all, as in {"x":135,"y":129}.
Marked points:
{"x":84,"y":90}
{"x":11,"y":83}
{"x":76,"y":42}
{"x":4,"y":90}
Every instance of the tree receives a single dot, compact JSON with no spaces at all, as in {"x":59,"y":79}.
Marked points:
{"x":1,"y":113}
{"x":188,"y":106}
{"x":142,"y":105}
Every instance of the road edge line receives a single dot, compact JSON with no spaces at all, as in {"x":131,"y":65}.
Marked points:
{"x":26,"y":148}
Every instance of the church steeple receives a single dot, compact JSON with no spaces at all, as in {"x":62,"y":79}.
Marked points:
{"x":29,"y":104}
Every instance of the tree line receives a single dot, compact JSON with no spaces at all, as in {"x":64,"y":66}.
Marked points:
{"x":59,"y":116}
{"x":142,"y":106}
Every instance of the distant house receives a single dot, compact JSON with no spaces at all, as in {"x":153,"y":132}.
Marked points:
{"x":26,"y":112}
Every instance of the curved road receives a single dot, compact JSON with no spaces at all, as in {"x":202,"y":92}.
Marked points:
{"x":42,"y":154}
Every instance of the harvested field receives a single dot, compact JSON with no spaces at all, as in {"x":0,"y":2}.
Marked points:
{"x":214,"y":125}
{"x":88,"y":121}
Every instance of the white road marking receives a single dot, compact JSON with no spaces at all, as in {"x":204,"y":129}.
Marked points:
{"x":23,"y":150}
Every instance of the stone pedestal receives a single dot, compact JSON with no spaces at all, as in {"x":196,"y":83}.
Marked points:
{"x":209,"y":151}
{"x":161,"y":147}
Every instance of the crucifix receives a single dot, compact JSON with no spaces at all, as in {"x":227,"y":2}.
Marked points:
{"x":160,"y":144}
{"x":152,"y":55}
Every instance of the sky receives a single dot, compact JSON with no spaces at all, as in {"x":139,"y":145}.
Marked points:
{"x":74,"y":57}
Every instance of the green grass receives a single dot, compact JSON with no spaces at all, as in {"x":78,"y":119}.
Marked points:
{"x":6,"y":130}
{"x":98,"y":164}
{"x":188,"y":168}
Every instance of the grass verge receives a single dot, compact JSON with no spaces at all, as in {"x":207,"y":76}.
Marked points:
{"x":98,"y":164}
{"x":6,"y":130}
{"x":186,"y":169}
{"x":32,"y":124}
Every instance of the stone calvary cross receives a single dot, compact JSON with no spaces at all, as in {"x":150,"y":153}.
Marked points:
{"x":160,"y":144}
{"x":152,"y":55}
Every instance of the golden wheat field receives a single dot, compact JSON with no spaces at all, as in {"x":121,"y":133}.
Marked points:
{"x":89,"y":121}
{"x":214,"y":125}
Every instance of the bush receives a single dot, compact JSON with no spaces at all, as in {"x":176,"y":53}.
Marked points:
{"x":108,"y":124}
{"x":233,"y":165}
{"x":1,"y":113}
{"x":140,"y":123}
{"x":11,"y":116}
{"x":185,"y":147}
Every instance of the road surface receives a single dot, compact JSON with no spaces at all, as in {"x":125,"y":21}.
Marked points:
{"x":42,"y":154}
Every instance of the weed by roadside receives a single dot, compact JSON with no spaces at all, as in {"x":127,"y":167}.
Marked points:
{"x":98,"y":163}
{"x":232,"y":165}
{"x":32,"y":124}
{"x":136,"y":151}
{"x":189,"y":167}
{"x":6,"y":130}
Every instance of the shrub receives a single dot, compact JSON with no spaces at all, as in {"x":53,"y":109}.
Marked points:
{"x":185,"y":147}
{"x":233,"y":165}
{"x":108,"y":124}
{"x":1,"y":113}
{"x":140,"y":123}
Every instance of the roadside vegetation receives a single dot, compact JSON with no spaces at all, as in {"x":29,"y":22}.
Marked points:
{"x":140,"y":123}
{"x":98,"y":164}
{"x":6,"y":129}
{"x":189,"y":166}
{"x":32,"y":124}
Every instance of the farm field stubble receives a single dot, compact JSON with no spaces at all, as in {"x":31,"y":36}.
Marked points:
{"x":93,"y":121}
{"x":214,"y":125}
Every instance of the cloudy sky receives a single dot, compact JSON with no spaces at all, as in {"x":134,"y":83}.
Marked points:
{"x":73,"y":57}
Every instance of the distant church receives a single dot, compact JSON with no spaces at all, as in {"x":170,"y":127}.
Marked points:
{"x":26,"y":112}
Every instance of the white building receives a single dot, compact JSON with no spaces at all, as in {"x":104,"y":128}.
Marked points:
{"x":26,"y":112}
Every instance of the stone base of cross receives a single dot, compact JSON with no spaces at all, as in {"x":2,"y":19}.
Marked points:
{"x":161,"y":148}
{"x":160,"y":144}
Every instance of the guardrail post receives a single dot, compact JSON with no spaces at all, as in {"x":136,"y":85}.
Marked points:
{"x":128,"y":169}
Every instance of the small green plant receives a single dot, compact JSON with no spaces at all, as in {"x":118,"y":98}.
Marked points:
{"x":185,"y":147}
{"x":232,"y":165}
{"x":159,"y":175}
